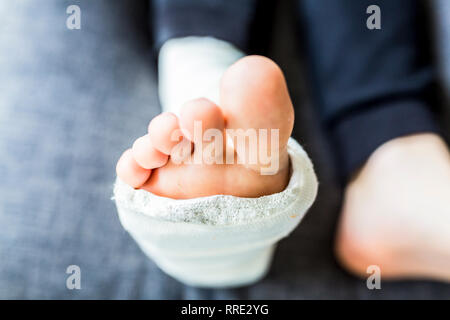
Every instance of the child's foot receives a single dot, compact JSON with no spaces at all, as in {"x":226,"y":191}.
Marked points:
{"x":396,"y":213}
{"x":253,"y":95}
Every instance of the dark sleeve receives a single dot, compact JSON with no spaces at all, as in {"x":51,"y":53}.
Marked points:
{"x":370,"y":85}
{"x":229,"y":20}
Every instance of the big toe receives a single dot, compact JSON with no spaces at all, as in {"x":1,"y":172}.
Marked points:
{"x":254,"y":95}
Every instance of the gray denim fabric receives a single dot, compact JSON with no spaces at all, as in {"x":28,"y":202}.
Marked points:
{"x":70,"y":102}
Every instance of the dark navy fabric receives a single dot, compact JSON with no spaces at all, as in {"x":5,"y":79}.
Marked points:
{"x":369,"y":86}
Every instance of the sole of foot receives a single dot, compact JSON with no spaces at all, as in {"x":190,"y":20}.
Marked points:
{"x":176,"y":160}
{"x":396,"y":212}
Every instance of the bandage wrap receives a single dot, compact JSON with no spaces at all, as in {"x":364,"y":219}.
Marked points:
{"x":217,"y":241}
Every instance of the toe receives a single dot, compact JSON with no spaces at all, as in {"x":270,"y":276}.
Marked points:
{"x":254,"y":97}
{"x":162,"y":131}
{"x":130,"y":172}
{"x":146,"y":155}
{"x":200,"y":114}
{"x":254,"y":94}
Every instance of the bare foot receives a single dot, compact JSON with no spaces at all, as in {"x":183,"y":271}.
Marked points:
{"x":396,"y":212}
{"x":253,"y":96}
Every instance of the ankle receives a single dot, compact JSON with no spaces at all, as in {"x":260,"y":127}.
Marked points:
{"x":410,"y":152}
{"x":409,"y":147}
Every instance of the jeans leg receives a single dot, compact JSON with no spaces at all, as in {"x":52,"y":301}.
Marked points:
{"x":71,"y":102}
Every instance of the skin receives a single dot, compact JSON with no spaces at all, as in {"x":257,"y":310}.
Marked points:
{"x":396,"y":211}
{"x":257,"y":100}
